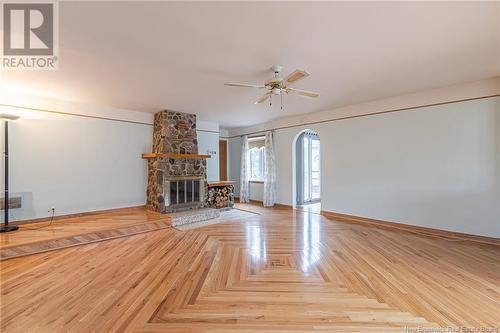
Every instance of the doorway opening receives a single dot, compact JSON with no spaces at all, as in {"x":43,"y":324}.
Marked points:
{"x":307,"y":171}
{"x":222,"y":160}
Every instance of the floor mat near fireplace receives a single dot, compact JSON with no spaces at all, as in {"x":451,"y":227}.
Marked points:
{"x":225,"y":216}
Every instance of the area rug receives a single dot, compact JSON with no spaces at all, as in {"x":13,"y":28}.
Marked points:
{"x":225,"y":216}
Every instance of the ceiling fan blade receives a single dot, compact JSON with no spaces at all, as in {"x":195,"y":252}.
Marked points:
{"x":244,"y":85}
{"x":263,"y":98}
{"x":302,"y":92}
{"x":296,"y":75}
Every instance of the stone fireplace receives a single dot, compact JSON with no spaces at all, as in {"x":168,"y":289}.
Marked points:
{"x":176,"y":173}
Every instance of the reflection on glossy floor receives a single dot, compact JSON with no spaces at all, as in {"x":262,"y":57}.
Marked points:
{"x":314,"y":207}
{"x":278,"y":271}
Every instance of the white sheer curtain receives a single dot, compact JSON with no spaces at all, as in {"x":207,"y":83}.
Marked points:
{"x":245,"y":171}
{"x":270,"y":179}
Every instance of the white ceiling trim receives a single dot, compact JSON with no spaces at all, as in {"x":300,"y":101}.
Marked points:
{"x":29,"y":106}
{"x":472,"y":90}
{"x":13,"y":101}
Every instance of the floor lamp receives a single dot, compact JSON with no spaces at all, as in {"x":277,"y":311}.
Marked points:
{"x":6,"y":118}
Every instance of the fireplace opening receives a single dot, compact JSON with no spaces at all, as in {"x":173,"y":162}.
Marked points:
{"x":184,"y":192}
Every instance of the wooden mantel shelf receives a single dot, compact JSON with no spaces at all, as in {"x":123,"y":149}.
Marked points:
{"x":172,"y":155}
{"x":221,"y":183}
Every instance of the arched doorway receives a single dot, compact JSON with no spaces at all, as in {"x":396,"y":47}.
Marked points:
{"x":307,"y":173}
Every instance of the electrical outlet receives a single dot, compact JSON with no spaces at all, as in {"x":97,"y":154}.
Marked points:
{"x":52,"y":210}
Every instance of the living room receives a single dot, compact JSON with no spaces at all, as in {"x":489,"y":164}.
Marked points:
{"x":250,"y":166}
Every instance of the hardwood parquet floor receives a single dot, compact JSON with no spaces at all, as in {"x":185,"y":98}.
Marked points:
{"x":76,"y":226}
{"x":34,"y":247}
{"x":278,"y":271}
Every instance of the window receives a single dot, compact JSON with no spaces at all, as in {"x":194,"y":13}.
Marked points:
{"x":257,"y":158}
{"x":315,"y":164}
{"x":308,"y":168}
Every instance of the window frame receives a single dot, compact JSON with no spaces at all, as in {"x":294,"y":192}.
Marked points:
{"x":262,"y":160}
{"x":308,"y":195}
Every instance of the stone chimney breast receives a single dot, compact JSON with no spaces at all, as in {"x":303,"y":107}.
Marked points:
{"x":176,"y":182}
{"x":174,"y":132}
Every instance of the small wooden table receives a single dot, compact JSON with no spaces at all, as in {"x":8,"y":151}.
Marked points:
{"x":221,"y":194}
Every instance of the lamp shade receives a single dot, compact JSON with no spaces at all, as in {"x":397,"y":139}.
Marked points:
{"x":6,"y":116}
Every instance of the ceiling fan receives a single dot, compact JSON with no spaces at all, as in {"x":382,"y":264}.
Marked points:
{"x":278,"y":85}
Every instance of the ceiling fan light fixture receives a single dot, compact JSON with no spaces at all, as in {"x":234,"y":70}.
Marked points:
{"x":276,"y":91}
{"x":273,"y":81}
{"x":277,"y":69}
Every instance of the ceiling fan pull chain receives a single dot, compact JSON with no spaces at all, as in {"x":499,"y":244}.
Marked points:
{"x":271,"y":100}
{"x":281,"y":95}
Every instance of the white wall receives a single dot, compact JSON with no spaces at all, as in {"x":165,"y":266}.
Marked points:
{"x":80,"y":164}
{"x":76,"y":164}
{"x":208,"y":143}
{"x":234,"y":162}
{"x":498,"y":153}
{"x":434,"y":166}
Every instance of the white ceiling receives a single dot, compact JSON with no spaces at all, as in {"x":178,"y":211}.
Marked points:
{"x":171,"y":55}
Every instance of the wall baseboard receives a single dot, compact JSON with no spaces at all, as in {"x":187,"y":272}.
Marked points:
{"x":259,"y":203}
{"x":445,"y":234}
{"x":68,"y":216}
{"x":282,"y":206}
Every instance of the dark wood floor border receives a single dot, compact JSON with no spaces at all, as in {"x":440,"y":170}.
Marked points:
{"x":69,"y":216}
{"x":82,"y":239}
{"x":449,"y":235}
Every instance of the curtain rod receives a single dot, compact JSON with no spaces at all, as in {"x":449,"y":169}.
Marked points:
{"x":260,"y":135}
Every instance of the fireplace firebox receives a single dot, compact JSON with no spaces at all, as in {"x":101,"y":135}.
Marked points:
{"x":184,"y":192}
